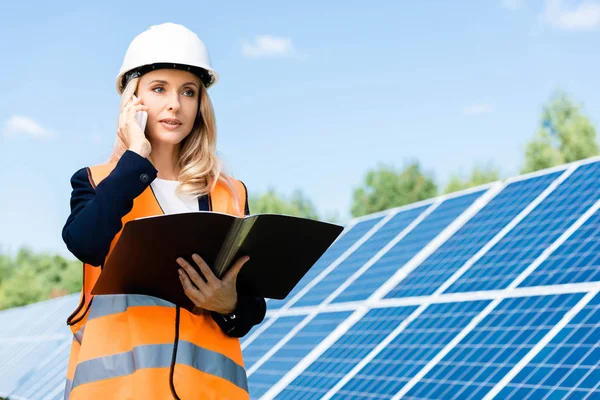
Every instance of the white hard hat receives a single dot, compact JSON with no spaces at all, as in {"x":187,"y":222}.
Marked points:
{"x":166,"y":45}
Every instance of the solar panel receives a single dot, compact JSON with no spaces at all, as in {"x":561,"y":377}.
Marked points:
{"x":492,"y":292}
{"x":406,"y":248}
{"x":349,"y":237}
{"x":535,"y":233}
{"x":471,"y":238}
{"x":293,"y":351}
{"x":476,"y":363}
{"x":360,"y":256}
{"x":568,"y":367}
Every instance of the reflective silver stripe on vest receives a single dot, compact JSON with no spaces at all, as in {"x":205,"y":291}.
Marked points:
{"x":79,"y":334}
{"x":103,"y":305}
{"x":159,"y":356}
{"x":68,"y":385}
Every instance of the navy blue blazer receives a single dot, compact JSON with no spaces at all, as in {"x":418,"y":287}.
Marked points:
{"x":95,"y":219}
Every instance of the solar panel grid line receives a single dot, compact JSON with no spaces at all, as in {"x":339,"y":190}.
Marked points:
{"x":319,"y":277}
{"x":565,"y":288}
{"x":515,"y":221}
{"x":401,"y":235}
{"x":557,"y":243}
{"x":542,"y":172}
{"x":56,"y":393}
{"x":406,"y":207}
{"x":334,"y":251}
{"x":557,"y":168}
{"x":347,"y":227}
{"x":440,"y":355}
{"x":411,"y":224}
{"x":373,"y":353}
{"x":448,"y":231}
{"x":494,"y":346}
{"x":279,"y":344}
{"x":502,"y":264}
{"x":438,"y":293}
{"x":33,"y":339}
{"x":339,"y":260}
{"x":370,"y":262}
{"x":346,"y":306}
{"x":523,"y":275}
{"x":568,"y":366}
{"x":56,"y":387}
{"x":540,"y":345}
{"x":298,"y":347}
{"x":432,"y":246}
{"x":315,"y":352}
{"x":49,"y":360}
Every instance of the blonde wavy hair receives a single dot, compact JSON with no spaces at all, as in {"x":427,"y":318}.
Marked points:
{"x":200,"y":167}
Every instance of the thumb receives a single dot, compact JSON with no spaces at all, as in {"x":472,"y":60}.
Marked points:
{"x":232,"y":273}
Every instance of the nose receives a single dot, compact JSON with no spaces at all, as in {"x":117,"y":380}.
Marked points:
{"x":173,"y":103}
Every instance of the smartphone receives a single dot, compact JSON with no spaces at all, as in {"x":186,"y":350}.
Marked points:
{"x":141,"y":116}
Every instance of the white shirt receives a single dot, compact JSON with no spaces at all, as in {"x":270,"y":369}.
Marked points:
{"x":170,"y":202}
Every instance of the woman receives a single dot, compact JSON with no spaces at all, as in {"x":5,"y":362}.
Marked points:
{"x":142,"y":347}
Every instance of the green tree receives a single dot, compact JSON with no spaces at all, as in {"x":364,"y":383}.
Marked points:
{"x":565,"y":135}
{"x":271,"y":202}
{"x":384,"y":187}
{"x":34,"y":277}
{"x":480,"y":175}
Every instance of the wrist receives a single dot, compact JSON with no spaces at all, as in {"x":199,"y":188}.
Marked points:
{"x":143,"y":149}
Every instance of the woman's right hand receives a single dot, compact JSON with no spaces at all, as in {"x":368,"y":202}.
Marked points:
{"x":129,"y":129}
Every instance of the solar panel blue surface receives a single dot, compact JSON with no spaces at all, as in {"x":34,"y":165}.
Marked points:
{"x":269,"y":337}
{"x":293,"y":351}
{"x":47,"y":376}
{"x":408,"y":353}
{"x":406,"y":248}
{"x":520,"y":247}
{"x":29,"y":337}
{"x":345,"y":353}
{"x":576,"y":260}
{"x":493,"y":347}
{"x":469,"y":239}
{"x":566,"y":368}
{"x":360,"y":256}
{"x":337,"y":249}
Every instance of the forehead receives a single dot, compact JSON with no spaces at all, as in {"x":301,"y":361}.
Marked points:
{"x":172,"y":76}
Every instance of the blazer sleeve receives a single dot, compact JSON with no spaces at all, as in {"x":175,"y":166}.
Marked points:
{"x":96,"y":210}
{"x":249,"y":311}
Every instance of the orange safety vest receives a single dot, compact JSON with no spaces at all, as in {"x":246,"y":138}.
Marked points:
{"x":129,"y":347}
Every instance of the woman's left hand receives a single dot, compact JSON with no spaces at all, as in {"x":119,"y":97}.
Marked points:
{"x":215,"y":294}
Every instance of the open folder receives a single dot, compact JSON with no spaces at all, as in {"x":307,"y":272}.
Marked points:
{"x":282,"y":249}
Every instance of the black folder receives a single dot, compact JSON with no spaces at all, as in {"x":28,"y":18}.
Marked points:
{"x":282,"y":249}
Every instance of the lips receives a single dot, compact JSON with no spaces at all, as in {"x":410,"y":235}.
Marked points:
{"x":171,"y":121}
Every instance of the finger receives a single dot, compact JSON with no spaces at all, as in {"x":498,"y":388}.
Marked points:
{"x":211,"y":279}
{"x":233,"y":272}
{"x":190,"y":291}
{"x":192,"y":275}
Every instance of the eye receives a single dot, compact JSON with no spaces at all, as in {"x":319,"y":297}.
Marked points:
{"x":192,"y":93}
{"x":158,"y":87}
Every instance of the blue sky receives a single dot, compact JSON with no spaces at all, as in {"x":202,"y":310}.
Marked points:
{"x":311,"y":94}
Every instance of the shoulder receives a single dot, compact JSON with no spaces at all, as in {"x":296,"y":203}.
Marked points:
{"x":82,"y":178}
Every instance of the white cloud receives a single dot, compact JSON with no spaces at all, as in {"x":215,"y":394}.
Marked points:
{"x":269,"y":46}
{"x":512,"y":4}
{"x":20,"y":125}
{"x":583,"y":16}
{"x":478,"y":109}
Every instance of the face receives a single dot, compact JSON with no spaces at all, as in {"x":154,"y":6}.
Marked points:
{"x":170,"y":95}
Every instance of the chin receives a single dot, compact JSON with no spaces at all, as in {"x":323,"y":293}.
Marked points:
{"x":169,"y":137}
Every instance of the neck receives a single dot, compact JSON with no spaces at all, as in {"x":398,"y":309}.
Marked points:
{"x":164,"y":157}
